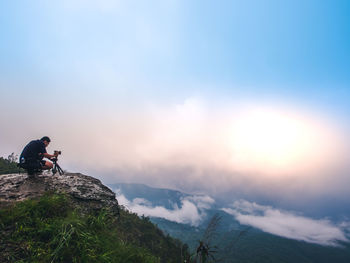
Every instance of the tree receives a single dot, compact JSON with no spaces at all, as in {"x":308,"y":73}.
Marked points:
{"x":12,"y":158}
{"x":9,"y":164}
{"x":205,"y":250}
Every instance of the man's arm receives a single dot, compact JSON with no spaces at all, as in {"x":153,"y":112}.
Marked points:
{"x":49,"y":156}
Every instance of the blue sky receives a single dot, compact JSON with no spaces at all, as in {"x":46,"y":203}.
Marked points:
{"x":147,"y":84}
{"x":297,"y":48}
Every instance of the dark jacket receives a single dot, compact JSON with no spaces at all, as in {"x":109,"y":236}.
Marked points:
{"x":33,"y":151}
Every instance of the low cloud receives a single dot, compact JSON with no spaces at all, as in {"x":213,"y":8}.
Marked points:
{"x":190,"y":212}
{"x":201,"y":201}
{"x":195,"y":145}
{"x":287,"y":224}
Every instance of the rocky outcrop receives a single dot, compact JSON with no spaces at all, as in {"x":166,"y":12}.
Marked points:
{"x":85,"y":191}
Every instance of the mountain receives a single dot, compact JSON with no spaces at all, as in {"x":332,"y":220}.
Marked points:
{"x":158,"y":197}
{"x":233,"y":241}
{"x":75,"y":218}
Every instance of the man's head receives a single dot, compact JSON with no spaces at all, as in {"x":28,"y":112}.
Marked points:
{"x":46,"y":140}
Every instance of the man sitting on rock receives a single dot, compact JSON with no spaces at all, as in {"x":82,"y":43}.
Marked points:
{"x":32,"y":156}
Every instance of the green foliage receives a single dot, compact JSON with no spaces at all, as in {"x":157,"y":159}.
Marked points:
{"x":142,"y":232}
{"x":249,"y":245}
{"x":9,"y":165}
{"x":51,"y":230}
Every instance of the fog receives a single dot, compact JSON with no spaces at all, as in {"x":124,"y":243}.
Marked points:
{"x":192,"y":146}
{"x":288,"y":224}
{"x":191,"y":211}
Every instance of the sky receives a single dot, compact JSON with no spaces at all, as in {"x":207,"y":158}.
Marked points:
{"x":229,"y":98}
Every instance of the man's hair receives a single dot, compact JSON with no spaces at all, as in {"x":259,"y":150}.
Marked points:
{"x":45,"y":138}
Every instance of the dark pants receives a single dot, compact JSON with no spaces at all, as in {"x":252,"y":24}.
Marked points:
{"x":32,"y":166}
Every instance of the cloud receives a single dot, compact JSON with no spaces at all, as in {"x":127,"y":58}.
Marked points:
{"x":190,"y":212}
{"x":287,"y":224}
{"x":202,"y":201}
{"x":190,"y":144}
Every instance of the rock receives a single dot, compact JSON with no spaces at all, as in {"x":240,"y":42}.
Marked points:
{"x":85,"y":191}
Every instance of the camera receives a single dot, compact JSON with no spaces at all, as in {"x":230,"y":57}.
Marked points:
{"x":57,"y":152}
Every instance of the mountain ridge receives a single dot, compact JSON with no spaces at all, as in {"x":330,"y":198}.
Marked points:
{"x":254,"y":246}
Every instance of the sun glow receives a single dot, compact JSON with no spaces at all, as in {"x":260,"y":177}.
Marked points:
{"x":265,"y":140}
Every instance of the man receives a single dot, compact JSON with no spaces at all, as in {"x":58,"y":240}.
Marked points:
{"x":33,"y":153}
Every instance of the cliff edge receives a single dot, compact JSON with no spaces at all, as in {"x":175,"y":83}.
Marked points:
{"x":84,"y":190}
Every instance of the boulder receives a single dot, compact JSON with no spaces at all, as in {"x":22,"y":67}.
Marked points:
{"x":85,"y":191}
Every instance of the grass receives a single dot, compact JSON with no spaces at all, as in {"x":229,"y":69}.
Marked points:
{"x":50,"y":230}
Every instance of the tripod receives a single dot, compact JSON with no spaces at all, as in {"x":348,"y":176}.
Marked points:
{"x":56,"y":168}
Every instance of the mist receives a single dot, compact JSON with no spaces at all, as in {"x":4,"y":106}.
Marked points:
{"x":188,"y":146}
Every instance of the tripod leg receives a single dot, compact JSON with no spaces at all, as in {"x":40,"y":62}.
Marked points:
{"x":54,"y":169}
{"x":60,"y":171}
